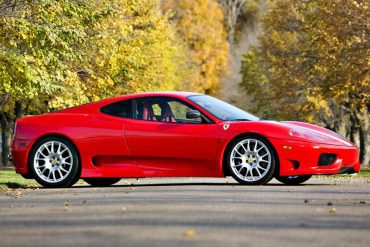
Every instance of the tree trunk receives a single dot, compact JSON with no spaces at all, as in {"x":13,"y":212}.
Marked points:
{"x":6,"y":135}
{"x":355,"y":136}
{"x":232,"y":10}
{"x":341,"y":128}
{"x":365,"y":139}
{"x":7,"y":125}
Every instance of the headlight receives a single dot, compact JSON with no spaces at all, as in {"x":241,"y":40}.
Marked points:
{"x":300,"y":133}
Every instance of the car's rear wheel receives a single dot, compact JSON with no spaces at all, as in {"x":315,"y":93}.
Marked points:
{"x":251,"y":160}
{"x":101,"y":182}
{"x":54,"y":162}
{"x":293,"y":180}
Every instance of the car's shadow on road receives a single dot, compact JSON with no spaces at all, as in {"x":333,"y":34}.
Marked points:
{"x":200,"y":184}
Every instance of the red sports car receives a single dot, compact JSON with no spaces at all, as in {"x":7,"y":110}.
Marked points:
{"x":173,"y":134}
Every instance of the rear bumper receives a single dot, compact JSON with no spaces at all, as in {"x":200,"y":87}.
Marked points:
{"x":19,"y":154}
{"x":302,"y":158}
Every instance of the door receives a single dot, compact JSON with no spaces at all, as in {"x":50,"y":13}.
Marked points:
{"x":104,"y":144}
{"x":164,"y":142}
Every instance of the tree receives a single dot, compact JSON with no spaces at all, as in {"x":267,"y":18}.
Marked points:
{"x":312,"y":63}
{"x":200,"y":25}
{"x":232,"y":9}
{"x":131,"y":48}
{"x":55,"y":54}
{"x":37,"y":43}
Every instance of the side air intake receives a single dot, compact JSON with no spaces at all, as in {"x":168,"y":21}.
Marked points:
{"x":327,"y":159}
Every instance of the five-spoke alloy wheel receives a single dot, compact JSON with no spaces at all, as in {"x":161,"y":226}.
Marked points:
{"x":251,"y":160}
{"x":54,"y":162}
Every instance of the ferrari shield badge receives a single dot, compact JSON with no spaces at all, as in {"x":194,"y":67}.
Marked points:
{"x":226,"y":126}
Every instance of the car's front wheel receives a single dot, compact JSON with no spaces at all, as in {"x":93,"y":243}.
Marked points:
{"x":54,"y":163}
{"x":251,"y":160}
{"x":293,"y":180}
{"x":101,"y":182}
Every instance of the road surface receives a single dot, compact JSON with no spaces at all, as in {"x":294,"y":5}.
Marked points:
{"x":189,"y":212}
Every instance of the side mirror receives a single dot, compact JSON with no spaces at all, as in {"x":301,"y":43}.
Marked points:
{"x":193,"y":114}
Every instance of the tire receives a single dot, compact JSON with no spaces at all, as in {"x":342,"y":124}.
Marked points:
{"x":101,"y":182}
{"x":246,"y":160}
{"x":293,"y":180}
{"x":54,"y":163}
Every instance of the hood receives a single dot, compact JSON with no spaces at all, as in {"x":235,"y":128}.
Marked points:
{"x":314,"y":133}
{"x":290,"y":130}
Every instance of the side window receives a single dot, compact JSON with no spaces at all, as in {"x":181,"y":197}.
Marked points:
{"x":162,"y":109}
{"x":147,"y":109}
{"x":179,"y":111}
{"x":119,"y":109}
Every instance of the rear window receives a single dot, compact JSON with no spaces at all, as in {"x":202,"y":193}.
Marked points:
{"x":119,"y":109}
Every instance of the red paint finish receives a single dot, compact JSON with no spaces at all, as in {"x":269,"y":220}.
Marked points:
{"x":173,"y":148}
{"x":111,"y":146}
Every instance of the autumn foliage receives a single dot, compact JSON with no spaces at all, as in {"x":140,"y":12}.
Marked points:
{"x":200,"y":26}
{"x":312,"y":65}
{"x":55,"y":54}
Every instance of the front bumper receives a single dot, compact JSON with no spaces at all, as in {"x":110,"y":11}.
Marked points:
{"x":302,"y":158}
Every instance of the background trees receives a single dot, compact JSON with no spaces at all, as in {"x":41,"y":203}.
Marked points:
{"x":200,"y":26}
{"x":55,"y":54}
{"x":39,"y":43}
{"x":312,"y":64}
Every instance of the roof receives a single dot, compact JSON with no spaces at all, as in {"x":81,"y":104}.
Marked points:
{"x":94,"y":105}
{"x":163,"y":93}
{"x":146,"y":94}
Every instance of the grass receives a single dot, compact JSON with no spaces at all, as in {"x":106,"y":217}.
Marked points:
{"x":12,"y":180}
{"x":365,"y":172}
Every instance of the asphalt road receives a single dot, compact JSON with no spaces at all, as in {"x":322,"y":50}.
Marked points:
{"x":189,"y":212}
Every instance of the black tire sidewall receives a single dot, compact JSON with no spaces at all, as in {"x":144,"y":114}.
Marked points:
{"x":293,"y":181}
{"x":101,"y":182}
{"x":269,"y":175}
{"x":72,"y":176}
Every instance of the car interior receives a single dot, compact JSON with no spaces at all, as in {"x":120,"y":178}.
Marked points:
{"x":164,"y":110}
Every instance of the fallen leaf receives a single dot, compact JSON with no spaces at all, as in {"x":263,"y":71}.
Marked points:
{"x":189,"y":233}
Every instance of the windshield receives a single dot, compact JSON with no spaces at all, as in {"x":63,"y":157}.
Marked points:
{"x":222,"y":110}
